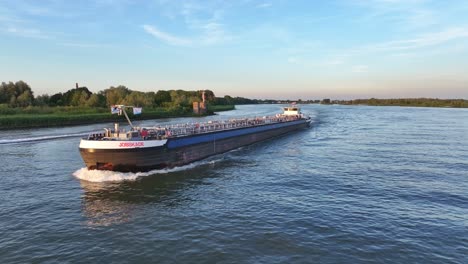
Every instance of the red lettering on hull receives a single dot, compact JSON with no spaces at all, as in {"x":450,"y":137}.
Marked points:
{"x":131,"y":144}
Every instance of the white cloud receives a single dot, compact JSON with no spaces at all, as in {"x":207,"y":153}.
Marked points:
{"x":334,"y":62}
{"x":202,"y":20}
{"x":421,"y":41}
{"x":213,"y":33}
{"x":264,"y":5}
{"x":408,"y":46}
{"x":420,"y":18}
{"x":81,"y":45}
{"x":360,"y":68}
{"x":166,"y":37}
{"x":406,"y":15}
{"x":293,"y":60}
{"x":9,"y":19}
{"x":27,"y":32}
{"x":32,"y":9}
{"x":188,"y":8}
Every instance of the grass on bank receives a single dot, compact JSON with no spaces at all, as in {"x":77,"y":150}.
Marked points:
{"x":30,"y":117}
{"x":220,"y":108}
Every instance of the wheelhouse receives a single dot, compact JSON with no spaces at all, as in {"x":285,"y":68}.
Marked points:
{"x":291,"y":110}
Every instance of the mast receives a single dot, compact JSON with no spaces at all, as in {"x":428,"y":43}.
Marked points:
{"x":126,"y":116}
{"x":121,"y":108}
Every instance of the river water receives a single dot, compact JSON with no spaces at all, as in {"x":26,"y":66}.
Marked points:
{"x":364,"y":184}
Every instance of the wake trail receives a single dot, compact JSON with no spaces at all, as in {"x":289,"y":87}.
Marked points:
{"x":115,"y":176}
{"x":41,"y":138}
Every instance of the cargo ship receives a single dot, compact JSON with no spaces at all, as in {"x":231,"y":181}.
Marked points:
{"x":149,"y":148}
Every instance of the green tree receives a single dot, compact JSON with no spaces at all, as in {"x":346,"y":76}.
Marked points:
{"x":138,"y":99}
{"x":76,"y":96}
{"x":93,"y":101}
{"x":162,"y":97}
{"x":79,"y":98}
{"x":12,"y":102}
{"x":56,"y":100}
{"x":116,"y":95}
{"x":209,"y":96}
{"x":22,"y":87}
{"x":42,"y":100}
{"x":179,"y":98}
{"x":229,"y":100}
{"x":16,"y":94}
{"x":24,"y":99}
{"x":3,"y":93}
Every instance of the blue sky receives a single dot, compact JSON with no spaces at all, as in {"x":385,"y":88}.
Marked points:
{"x":259,"y":49}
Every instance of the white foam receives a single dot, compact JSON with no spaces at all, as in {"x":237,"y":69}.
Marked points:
{"x":115,"y":176}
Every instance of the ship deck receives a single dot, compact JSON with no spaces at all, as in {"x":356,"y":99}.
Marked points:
{"x":187,"y":129}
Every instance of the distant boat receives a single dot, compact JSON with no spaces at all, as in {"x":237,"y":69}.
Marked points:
{"x":144,"y":149}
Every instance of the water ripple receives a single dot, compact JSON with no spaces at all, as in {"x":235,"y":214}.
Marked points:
{"x":364,"y":184}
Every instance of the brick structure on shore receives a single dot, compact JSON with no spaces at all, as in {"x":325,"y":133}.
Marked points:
{"x":200,"y":107}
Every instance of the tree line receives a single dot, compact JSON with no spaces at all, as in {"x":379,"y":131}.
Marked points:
{"x":421,"y":102}
{"x":17,"y":94}
{"x":20,"y":94}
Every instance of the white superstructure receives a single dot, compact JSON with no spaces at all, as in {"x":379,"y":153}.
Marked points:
{"x":292,"y":110}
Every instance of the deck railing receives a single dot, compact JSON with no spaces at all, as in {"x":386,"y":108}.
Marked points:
{"x":179,"y":130}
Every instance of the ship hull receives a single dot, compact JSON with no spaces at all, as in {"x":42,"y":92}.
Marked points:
{"x":183,"y":150}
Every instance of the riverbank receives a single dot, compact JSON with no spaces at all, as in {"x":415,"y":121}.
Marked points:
{"x":36,"y":118}
{"x":413,"y":102}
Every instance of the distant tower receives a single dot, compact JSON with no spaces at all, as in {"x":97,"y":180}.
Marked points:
{"x":200,"y":107}
{"x":76,"y":85}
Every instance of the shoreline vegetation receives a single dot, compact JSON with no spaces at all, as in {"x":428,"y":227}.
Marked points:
{"x":19,"y":108}
{"x":412,"y":102}
{"x":101,"y":115}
